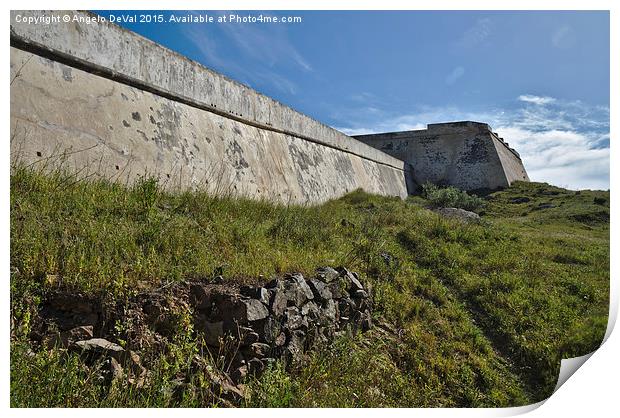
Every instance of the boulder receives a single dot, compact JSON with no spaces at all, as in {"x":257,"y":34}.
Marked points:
{"x":459,"y":214}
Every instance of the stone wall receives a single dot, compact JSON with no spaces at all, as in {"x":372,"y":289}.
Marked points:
{"x":102,"y":100}
{"x":467,"y":155}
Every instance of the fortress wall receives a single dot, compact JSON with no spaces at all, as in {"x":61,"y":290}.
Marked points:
{"x":120,"y":106}
{"x":463,"y":154}
{"x":513,"y":167}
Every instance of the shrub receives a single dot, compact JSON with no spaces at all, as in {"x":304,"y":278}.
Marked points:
{"x":451,"y":197}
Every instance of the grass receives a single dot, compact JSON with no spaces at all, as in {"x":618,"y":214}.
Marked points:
{"x":482,"y":313}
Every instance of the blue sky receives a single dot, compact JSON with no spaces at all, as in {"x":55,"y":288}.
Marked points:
{"x":541,"y":79}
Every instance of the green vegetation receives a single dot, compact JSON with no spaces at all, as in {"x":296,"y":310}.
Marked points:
{"x":451,"y":197}
{"x":479,"y":314}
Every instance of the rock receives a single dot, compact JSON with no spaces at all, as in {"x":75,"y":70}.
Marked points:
{"x":116,"y":369}
{"x":199,"y":297}
{"x":522,"y":199}
{"x":267,"y":330}
{"x":459,"y":214}
{"x":297,"y":290}
{"x":248,"y":310}
{"x":219,"y":279}
{"x":138,"y":373}
{"x":360,"y":294}
{"x":320,"y":290}
{"x":222,"y":385}
{"x":294,"y":319}
{"x":329,"y":313}
{"x":328,"y":274}
{"x":295,"y":347}
{"x":99,"y":346}
{"x":345,"y":307}
{"x":338,"y":288}
{"x":310,"y":310}
{"x":259,"y":350}
{"x":366,"y":322}
{"x":353,"y":280}
{"x":259,"y":293}
{"x":279,"y":303}
{"x":273,"y":284}
{"x":545,"y":206}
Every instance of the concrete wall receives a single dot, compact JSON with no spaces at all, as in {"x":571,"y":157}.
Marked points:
{"x":121,"y":106}
{"x":467,"y":155}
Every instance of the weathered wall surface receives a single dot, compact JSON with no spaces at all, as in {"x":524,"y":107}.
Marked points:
{"x":121,"y":106}
{"x":467,"y":155}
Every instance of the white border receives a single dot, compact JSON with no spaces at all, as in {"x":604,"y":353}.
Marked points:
{"x":593,"y":388}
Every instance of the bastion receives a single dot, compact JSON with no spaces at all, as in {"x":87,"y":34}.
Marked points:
{"x":468,"y":155}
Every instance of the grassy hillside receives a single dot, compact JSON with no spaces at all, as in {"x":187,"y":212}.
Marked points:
{"x":468,"y":314}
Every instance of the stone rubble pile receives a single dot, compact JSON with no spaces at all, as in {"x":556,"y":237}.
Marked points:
{"x":247,"y":327}
{"x":280,"y":320}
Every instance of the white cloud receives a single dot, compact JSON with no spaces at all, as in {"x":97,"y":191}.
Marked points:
{"x":538,"y":100}
{"x":563,"y":158}
{"x":456,"y":73}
